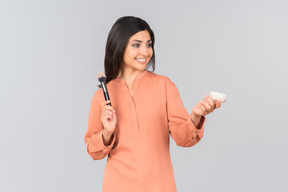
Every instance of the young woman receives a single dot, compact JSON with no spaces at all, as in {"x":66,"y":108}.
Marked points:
{"x":146,"y":109}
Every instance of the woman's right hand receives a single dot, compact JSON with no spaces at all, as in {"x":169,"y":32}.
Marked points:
{"x":108,"y":118}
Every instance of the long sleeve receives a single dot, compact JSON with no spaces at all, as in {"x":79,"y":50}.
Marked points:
{"x":93,"y":137}
{"x":181,"y":127}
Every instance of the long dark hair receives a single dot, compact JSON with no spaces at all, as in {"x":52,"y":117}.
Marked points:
{"x":117,"y":40}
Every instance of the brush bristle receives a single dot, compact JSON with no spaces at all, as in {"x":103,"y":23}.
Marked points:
{"x":101,"y":77}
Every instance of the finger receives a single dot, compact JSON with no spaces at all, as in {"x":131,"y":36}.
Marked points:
{"x":206,"y":101}
{"x":218,"y":104}
{"x":206,"y":106}
{"x":211,"y":102}
{"x":109,"y":112}
{"x":203,"y":107}
{"x":105,"y":103}
{"x":108,"y":108}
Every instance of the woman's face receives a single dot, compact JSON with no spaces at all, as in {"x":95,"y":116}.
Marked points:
{"x":138,"y":51}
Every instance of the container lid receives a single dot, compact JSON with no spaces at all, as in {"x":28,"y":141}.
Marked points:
{"x":218,"y":96}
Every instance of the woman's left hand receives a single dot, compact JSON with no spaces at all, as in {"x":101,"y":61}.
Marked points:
{"x":206,"y":106}
{"x":203,"y":108}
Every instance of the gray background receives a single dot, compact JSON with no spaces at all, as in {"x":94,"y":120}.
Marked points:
{"x":51,"y":52}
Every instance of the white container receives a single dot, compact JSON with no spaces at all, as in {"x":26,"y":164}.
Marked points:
{"x":218,"y":96}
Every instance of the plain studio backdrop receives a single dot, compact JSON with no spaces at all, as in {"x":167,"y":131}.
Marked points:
{"x":51,"y":52}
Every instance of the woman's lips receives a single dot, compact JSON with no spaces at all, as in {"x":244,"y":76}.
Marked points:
{"x":142,"y":61}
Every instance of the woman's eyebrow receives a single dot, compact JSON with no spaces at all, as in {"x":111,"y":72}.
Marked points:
{"x":139,"y":41}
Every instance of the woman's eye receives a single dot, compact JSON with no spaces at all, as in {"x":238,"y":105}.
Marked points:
{"x":149,"y":45}
{"x":135,"y":45}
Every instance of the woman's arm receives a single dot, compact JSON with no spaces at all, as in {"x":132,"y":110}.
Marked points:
{"x":99,"y":141}
{"x":181,"y":126}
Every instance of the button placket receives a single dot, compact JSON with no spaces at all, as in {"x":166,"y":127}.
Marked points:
{"x":134,"y":116}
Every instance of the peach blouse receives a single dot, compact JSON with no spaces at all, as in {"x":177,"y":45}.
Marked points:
{"x":138,"y":156}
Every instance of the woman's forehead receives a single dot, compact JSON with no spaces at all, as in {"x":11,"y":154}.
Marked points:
{"x":142,"y":36}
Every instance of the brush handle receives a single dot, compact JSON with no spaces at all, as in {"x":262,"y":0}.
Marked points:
{"x":105,"y":91}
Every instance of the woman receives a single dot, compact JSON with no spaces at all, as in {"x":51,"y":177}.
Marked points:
{"x":146,"y":108}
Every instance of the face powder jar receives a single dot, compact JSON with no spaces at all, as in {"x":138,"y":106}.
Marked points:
{"x":218,"y":96}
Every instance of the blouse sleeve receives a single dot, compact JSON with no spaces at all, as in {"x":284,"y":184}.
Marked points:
{"x":93,"y":137}
{"x":181,"y":127}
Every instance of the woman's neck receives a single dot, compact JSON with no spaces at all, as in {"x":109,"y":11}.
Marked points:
{"x":129,"y":75}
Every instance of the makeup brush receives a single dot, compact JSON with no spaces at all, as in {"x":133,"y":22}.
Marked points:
{"x":102,"y":79}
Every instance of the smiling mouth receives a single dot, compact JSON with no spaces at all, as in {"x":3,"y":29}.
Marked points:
{"x":142,"y":61}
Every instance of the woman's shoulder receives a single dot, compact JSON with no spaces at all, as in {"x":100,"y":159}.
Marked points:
{"x":160,"y":78}
{"x":98,"y":96}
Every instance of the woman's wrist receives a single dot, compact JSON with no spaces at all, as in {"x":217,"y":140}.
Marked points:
{"x":106,"y":137}
{"x":195,"y":119}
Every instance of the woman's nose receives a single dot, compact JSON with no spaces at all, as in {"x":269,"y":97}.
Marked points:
{"x":144,"y":51}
